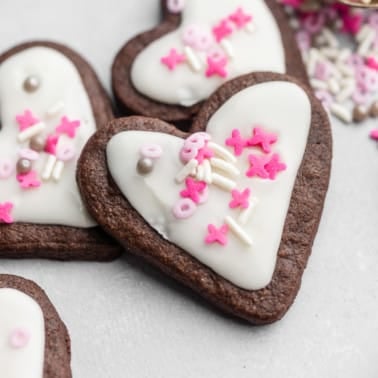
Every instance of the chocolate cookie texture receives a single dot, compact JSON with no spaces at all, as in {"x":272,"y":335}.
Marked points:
{"x":51,"y":103}
{"x":167,"y":72}
{"x":231,"y":208}
{"x":34,"y":340}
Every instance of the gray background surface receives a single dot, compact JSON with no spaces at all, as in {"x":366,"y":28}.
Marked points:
{"x":127,"y":320}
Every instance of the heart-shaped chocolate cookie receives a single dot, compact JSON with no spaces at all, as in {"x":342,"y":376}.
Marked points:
{"x":230,"y":209}
{"x":51,"y":102}
{"x":167,"y":72}
{"x":34,"y":340}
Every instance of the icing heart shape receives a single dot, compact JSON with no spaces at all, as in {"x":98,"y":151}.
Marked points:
{"x":50,"y":104}
{"x":34,"y":340}
{"x":230,"y":209}
{"x":167,"y":72}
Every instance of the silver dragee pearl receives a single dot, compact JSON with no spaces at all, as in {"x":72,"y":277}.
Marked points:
{"x":24,"y":166}
{"x":145,"y":166}
{"x":31,"y":84}
{"x":37,"y":143}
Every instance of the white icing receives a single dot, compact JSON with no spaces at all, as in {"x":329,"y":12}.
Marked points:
{"x":282,"y":108}
{"x":261,"y":50}
{"x":21,"y":311}
{"x":53,"y":202}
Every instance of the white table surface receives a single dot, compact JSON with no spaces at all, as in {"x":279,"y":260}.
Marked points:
{"x":127,"y":320}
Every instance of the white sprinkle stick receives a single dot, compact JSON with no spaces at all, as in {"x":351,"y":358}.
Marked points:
{"x":333,"y":86}
{"x":330,"y":38}
{"x":330,"y":52}
{"x":366,"y":43}
{"x":55,"y":109}
{"x":344,"y":55}
{"x":363,"y":32}
{"x":347,"y":91}
{"x":223,"y":182}
{"x":49,"y":166}
{"x":228,"y":48}
{"x":341,"y":112}
{"x":345,"y":70}
{"x":222,"y":152}
{"x":200,"y":173}
{"x":318,"y":84}
{"x":186,"y":171}
{"x":194,"y":62}
{"x":208,"y":174}
{"x":30,"y":132}
{"x":238,"y":231}
{"x":313,"y":58}
{"x":57,"y":171}
{"x":224,"y":166}
{"x":245,"y":214}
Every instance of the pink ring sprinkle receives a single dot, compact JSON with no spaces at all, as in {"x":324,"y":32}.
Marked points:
{"x":188,"y":153}
{"x":19,"y":338}
{"x":197,"y":140}
{"x":175,"y":6}
{"x":184,"y":208}
{"x":151,"y":151}
{"x":65,"y":153}
{"x":27,"y":153}
{"x":6,"y":168}
{"x":197,"y":38}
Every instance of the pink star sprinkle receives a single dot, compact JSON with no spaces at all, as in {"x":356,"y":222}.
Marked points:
{"x":173,"y":59}
{"x":274,"y":166}
{"x":216,"y":235}
{"x":262,"y":139}
{"x":240,"y":19}
{"x":204,"y":153}
{"x":68,"y":127}
{"x":257,"y":167}
{"x":222,"y":30}
{"x":193,"y":190}
{"x":372,"y":63}
{"x":28,"y":180}
{"x":237,"y":142}
{"x":51,"y":143}
{"x":374,"y":134}
{"x":216,"y":67}
{"x":26,"y":120}
{"x":240,"y":199}
{"x":5,"y":212}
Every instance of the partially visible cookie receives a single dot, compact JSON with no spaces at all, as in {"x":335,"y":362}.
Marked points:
{"x":51,"y":103}
{"x":167,"y":72}
{"x":34,"y":340}
{"x":229,"y":209}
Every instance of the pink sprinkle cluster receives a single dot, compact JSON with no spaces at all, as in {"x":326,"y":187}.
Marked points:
{"x":209,"y":42}
{"x":345,"y":79}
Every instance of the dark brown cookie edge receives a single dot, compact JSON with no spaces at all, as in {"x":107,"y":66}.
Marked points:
{"x":130,"y":101}
{"x":57,"y":341}
{"x":112,"y":210}
{"x":21,"y":240}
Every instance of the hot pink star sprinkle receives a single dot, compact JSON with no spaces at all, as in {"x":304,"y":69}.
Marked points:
{"x":237,"y":142}
{"x":240,"y":19}
{"x":173,"y":59}
{"x":5,"y":212}
{"x":374,"y":134}
{"x":372,"y":63}
{"x":216,"y":235}
{"x":216,"y":67}
{"x":193,"y":190}
{"x":28,"y":180}
{"x":222,"y":30}
{"x":257,"y":166}
{"x":68,"y":127}
{"x":274,"y":166}
{"x":51,"y":143}
{"x":240,"y":199}
{"x":351,"y":23}
{"x":26,"y":120}
{"x":262,"y":139}
{"x":204,"y":153}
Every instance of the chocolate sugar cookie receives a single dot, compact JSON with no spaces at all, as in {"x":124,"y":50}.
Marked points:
{"x":51,"y":103}
{"x":34,"y":340}
{"x":229,"y":209}
{"x":167,"y":72}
